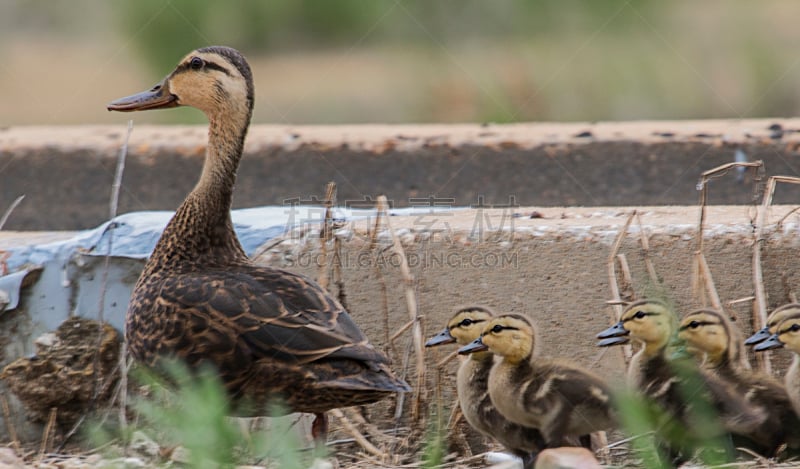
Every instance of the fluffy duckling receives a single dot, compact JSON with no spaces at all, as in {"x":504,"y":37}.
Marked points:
{"x":714,"y":340}
{"x":787,"y":335}
{"x":774,"y":318}
{"x":668,"y":381}
{"x":472,"y":383}
{"x":557,"y":397}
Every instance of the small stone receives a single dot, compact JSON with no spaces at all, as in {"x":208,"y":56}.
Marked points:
{"x":143,"y":445}
{"x":180,"y":455}
{"x":567,"y":458}
{"x":9,"y":457}
{"x":321,"y":464}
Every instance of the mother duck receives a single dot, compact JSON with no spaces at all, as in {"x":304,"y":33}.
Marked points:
{"x":269,"y":333}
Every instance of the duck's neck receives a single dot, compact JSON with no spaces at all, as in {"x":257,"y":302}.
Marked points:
{"x":201,"y":232}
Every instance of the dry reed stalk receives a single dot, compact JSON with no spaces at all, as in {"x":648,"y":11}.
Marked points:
{"x":10,"y":209}
{"x":358,"y":436}
{"x":373,"y":241}
{"x":702,"y":281}
{"x":402,"y":330}
{"x":648,"y":262}
{"x":705,"y":283}
{"x":48,"y":433}
{"x":413,"y":313}
{"x":627,"y":278}
{"x":325,"y":236}
{"x":12,"y":431}
{"x":627,"y":352}
{"x":123,"y":356}
{"x":760,"y":303}
{"x":447,"y":359}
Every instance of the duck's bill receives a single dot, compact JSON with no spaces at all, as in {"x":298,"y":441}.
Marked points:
{"x":759,"y":336}
{"x":475,"y":346}
{"x":613,"y":341}
{"x":614,"y":335}
{"x":443,"y":337}
{"x":158,"y":97}
{"x":772,"y":343}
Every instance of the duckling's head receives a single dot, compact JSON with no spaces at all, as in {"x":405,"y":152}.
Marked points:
{"x":787,"y":335}
{"x":217,"y":80}
{"x":511,"y":336}
{"x":708,"y":335}
{"x":649,"y":321}
{"x":775,"y":317}
{"x":464,"y":327}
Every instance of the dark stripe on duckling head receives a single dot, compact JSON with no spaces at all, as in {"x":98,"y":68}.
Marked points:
{"x":793,"y":328}
{"x":641,"y":315}
{"x":696,"y":324}
{"x":468,"y":322}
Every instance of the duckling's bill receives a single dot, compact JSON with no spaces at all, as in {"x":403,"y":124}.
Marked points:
{"x":476,"y":345}
{"x":614,"y":335}
{"x":772,"y":343}
{"x":443,"y":337}
{"x":158,"y":97}
{"x":760,"y":336}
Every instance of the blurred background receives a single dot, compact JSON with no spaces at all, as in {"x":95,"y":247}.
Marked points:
{"x":397,"y":61}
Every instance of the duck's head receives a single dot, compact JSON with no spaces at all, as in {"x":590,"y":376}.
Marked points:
{"x":217,"y":80}
{"x":774,"y":318}
{"x":787,"y":334}
{"x":464,"y":327}
{"x":511,"y":336}
{"x":651,"y":322}
{"x":707,"y":334}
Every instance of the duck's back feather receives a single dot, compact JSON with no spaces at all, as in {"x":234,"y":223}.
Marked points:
{"x":235,"y":317}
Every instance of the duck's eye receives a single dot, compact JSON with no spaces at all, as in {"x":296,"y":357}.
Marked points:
{"x":639,"y":315}
{"x":694,"y":324}
{"x":196,"y":63}
{"x":466,"y":322}
{"x":795,"y":327}
{"x":497,"y":329}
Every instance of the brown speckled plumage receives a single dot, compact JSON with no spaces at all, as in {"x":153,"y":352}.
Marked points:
{"x":267,"y":331}
{"x":717,"y":344}
{"x":472,"y":384}
{"x":559,"y":398}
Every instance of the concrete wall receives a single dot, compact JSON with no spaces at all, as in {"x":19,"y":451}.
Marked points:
{"x":66,"y":173}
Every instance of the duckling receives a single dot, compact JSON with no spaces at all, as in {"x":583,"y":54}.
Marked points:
{"x":716,"y":342}
{"x":774,"y":318}
{"x":472,"y":383}
{"x":271,"y":334}
{"x":557,"y":397}
{"x":669,"y":380}
{"x":787,"y":334}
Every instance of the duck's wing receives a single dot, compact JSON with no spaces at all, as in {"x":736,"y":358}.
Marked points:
{"x":270,"y":313}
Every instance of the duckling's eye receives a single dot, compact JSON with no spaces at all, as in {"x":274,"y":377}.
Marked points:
{"x":466,"y":322}
{"x":497,"y":329}
{"x":795,"y":327}
{"x":639,"y":314}
{"x":694,"y":324}
{"x":196,"y":63}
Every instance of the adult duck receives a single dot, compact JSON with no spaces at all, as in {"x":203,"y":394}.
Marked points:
{"x":269,"y":333}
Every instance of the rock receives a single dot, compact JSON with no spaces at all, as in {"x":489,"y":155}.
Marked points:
{"x":9,"y":458}
{"x":499,"y":460}
{"x":122,"y":463}
{"x":567,"y":458}
{"x":143,"y":445}
{"x":180,"y":455}
{"x":321,"y":464}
